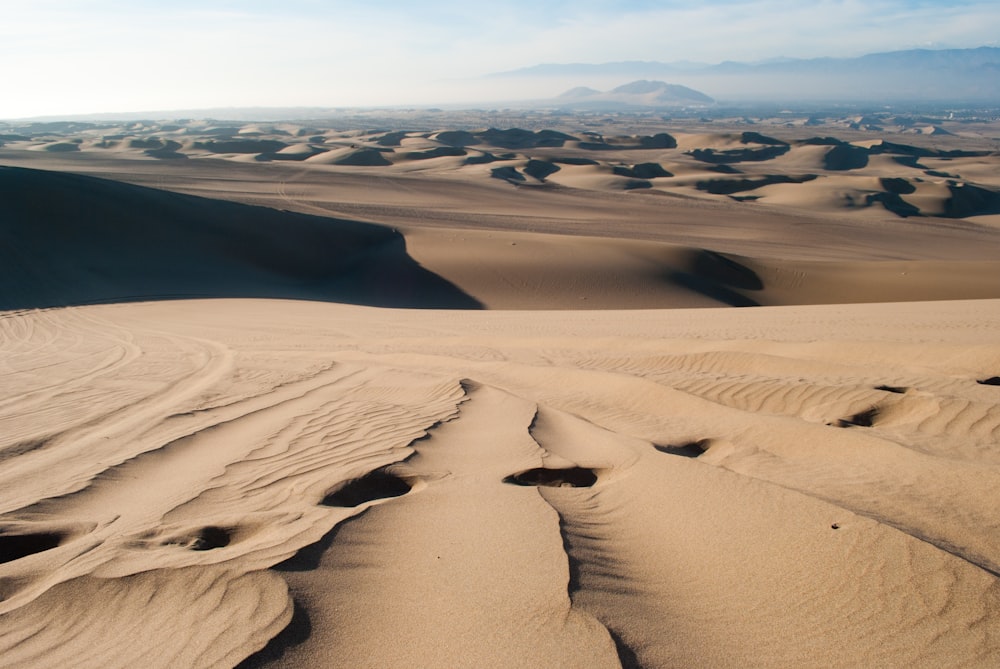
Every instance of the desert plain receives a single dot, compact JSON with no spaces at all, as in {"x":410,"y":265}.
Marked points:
{"x":586,"y":392}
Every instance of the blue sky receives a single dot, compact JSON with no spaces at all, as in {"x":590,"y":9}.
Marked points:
{"x":86,"y":56}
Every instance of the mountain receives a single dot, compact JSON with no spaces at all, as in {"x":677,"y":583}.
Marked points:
{"x":917,"y":75}
{"x":641,"y":93}
{"x":579,"y":93}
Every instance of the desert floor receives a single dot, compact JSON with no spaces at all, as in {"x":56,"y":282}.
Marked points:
{"x":286,"y":395}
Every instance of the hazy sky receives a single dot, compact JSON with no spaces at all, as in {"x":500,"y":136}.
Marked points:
{"x":85,"y":56}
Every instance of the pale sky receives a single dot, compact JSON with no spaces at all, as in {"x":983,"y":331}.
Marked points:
{"x":91,"y":56}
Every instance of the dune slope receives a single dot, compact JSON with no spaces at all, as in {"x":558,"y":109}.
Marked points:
{"x":73,"y":239}
{"x":499,"y":488}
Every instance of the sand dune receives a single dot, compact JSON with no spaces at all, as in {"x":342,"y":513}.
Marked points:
{"x":529,"y":157}
{"x":340,"y":398}
{"x":246,"y":463}
{"x":90,"y":240}
{"x":76,"y":240}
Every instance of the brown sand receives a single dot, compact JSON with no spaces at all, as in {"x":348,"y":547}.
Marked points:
{"x":589,"y":473}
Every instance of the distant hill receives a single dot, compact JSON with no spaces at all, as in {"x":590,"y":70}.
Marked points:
{"x":579,"y":93}
{"x":641,"y":93}
{"x":917,"y":75}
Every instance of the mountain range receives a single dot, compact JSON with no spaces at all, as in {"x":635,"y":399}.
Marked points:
{"x":949,"y":75}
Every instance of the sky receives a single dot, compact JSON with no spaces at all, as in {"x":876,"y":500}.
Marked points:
{"x":64,"y":57}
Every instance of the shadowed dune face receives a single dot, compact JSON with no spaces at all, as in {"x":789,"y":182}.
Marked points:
{"x":378,"y":484}
{"x":570,"y":477}
{"x":16,"y":546}
{"x":76,"y":239}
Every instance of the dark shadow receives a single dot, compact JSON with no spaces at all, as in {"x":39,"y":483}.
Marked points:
{"x":969,"y":200}
{"x":844,"y":157}
{"x":481,"y":159}
{"x":716,"y":266}
{"x":894,"y":203}
{"x":458,"y":138}
{"x":241,"y":146}
{"x":897,"y":185}
{"x":378,"y":484}
{"x":641,"y":171}
{"x":751,"y":137}
{"x":16,"y":546}
{"x":899,"y":390}
{"x":723,"y":169}
{"x":507,"y":173}
{"x":71,"y":239}
{"x":626,"y":655}
{"x":308,"y":557}
{"x":992,"y":381}
{"x":719,"y":278}
{"x":540,"y":169}
{"x":864,"y":418}
{"x":738,"y":155}
{"x":292,"y":157}
{"x":708,"y":288}
{"x":21,"y":448}
{"x":149,"y":143}
{"x":518,"y":138}
{"x":297,"y":632}
{"x":392,"y":138}
{"x":571,"y":477}
{"x":909,"y":161}
{"x":650,"y":171}
{"x":902,"y":149}
{"x":575,"y":161}
{"x":822,"y":141}
{"x":597,"y":146}
{"x":436,"y":152}
{"x":165,"y":154}
{"x":730,"y":186}
{"x":574,"y":564}
{"x":210,"y":538}
{"x":692,"y":449}
{"x":62,"y":147}
{"x":365,"y":158}
{"x":660,"y":140}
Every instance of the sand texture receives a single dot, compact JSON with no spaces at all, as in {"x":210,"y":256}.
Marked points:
{"x":308,"y":409}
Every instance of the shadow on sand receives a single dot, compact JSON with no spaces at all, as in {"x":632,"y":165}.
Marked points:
{"x":68,"y":239}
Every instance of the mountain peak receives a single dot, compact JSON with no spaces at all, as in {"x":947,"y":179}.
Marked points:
{"x":642,"y":93}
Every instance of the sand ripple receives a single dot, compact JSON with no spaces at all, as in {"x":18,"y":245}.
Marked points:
{"x":184,"y":480}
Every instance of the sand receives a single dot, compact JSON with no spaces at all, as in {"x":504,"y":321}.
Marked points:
{"x":263,"y":414}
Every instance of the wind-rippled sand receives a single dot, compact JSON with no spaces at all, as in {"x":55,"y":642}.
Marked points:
{"x":807,"y":486}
